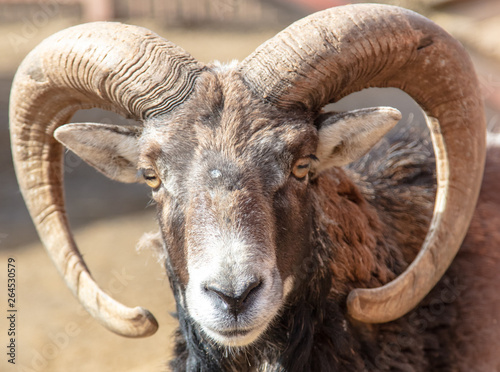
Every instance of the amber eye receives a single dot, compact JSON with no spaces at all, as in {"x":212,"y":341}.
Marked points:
{"x":152,"y":180}
{"x":301,"y":167}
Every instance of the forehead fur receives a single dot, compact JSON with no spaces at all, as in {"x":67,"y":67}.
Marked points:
{"x":224,"y":117}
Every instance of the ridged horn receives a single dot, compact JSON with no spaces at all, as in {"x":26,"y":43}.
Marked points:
{"x":125,"y":69}
{"x":333,"y":53}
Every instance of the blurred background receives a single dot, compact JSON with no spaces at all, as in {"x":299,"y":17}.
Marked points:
{"x":53,"y":332}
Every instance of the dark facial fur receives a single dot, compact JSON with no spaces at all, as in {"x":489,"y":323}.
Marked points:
{"x":225,"y":159}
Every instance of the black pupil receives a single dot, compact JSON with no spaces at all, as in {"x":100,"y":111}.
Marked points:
{"x":148,"y":175}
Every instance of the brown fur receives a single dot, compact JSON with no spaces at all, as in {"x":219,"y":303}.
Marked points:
{"x":477,"y":265}
{"x":343,"y":229}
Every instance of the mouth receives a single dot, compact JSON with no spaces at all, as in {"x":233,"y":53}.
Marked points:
{"x":233,"y":333}
{"x":233,"y":337}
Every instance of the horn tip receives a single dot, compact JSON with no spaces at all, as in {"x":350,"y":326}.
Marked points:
{"x":141,"y":323}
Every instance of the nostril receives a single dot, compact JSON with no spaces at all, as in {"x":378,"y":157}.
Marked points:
{"x":251,"y":287}
{"x":234,"y":300}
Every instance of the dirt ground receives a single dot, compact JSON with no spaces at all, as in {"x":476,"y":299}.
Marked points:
{"x":53,"y":332}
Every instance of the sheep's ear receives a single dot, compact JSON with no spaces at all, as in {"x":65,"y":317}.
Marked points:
{"x":346,"y":136}
{"x":111,"y":149}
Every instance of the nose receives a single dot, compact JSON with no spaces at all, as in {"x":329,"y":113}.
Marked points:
{"x":235,"y":301}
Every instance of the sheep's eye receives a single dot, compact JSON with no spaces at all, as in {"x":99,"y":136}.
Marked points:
{"x":301,"y":167}
{"x":151,"y":178}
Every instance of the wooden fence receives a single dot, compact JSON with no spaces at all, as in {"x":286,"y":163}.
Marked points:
{"x":168,"y":12}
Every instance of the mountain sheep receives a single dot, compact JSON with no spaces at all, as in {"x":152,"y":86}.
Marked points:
{"x":285,"y":252}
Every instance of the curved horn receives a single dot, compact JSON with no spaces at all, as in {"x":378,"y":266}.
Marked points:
{"x":331,"y":54}
{"x":121,"y":68}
